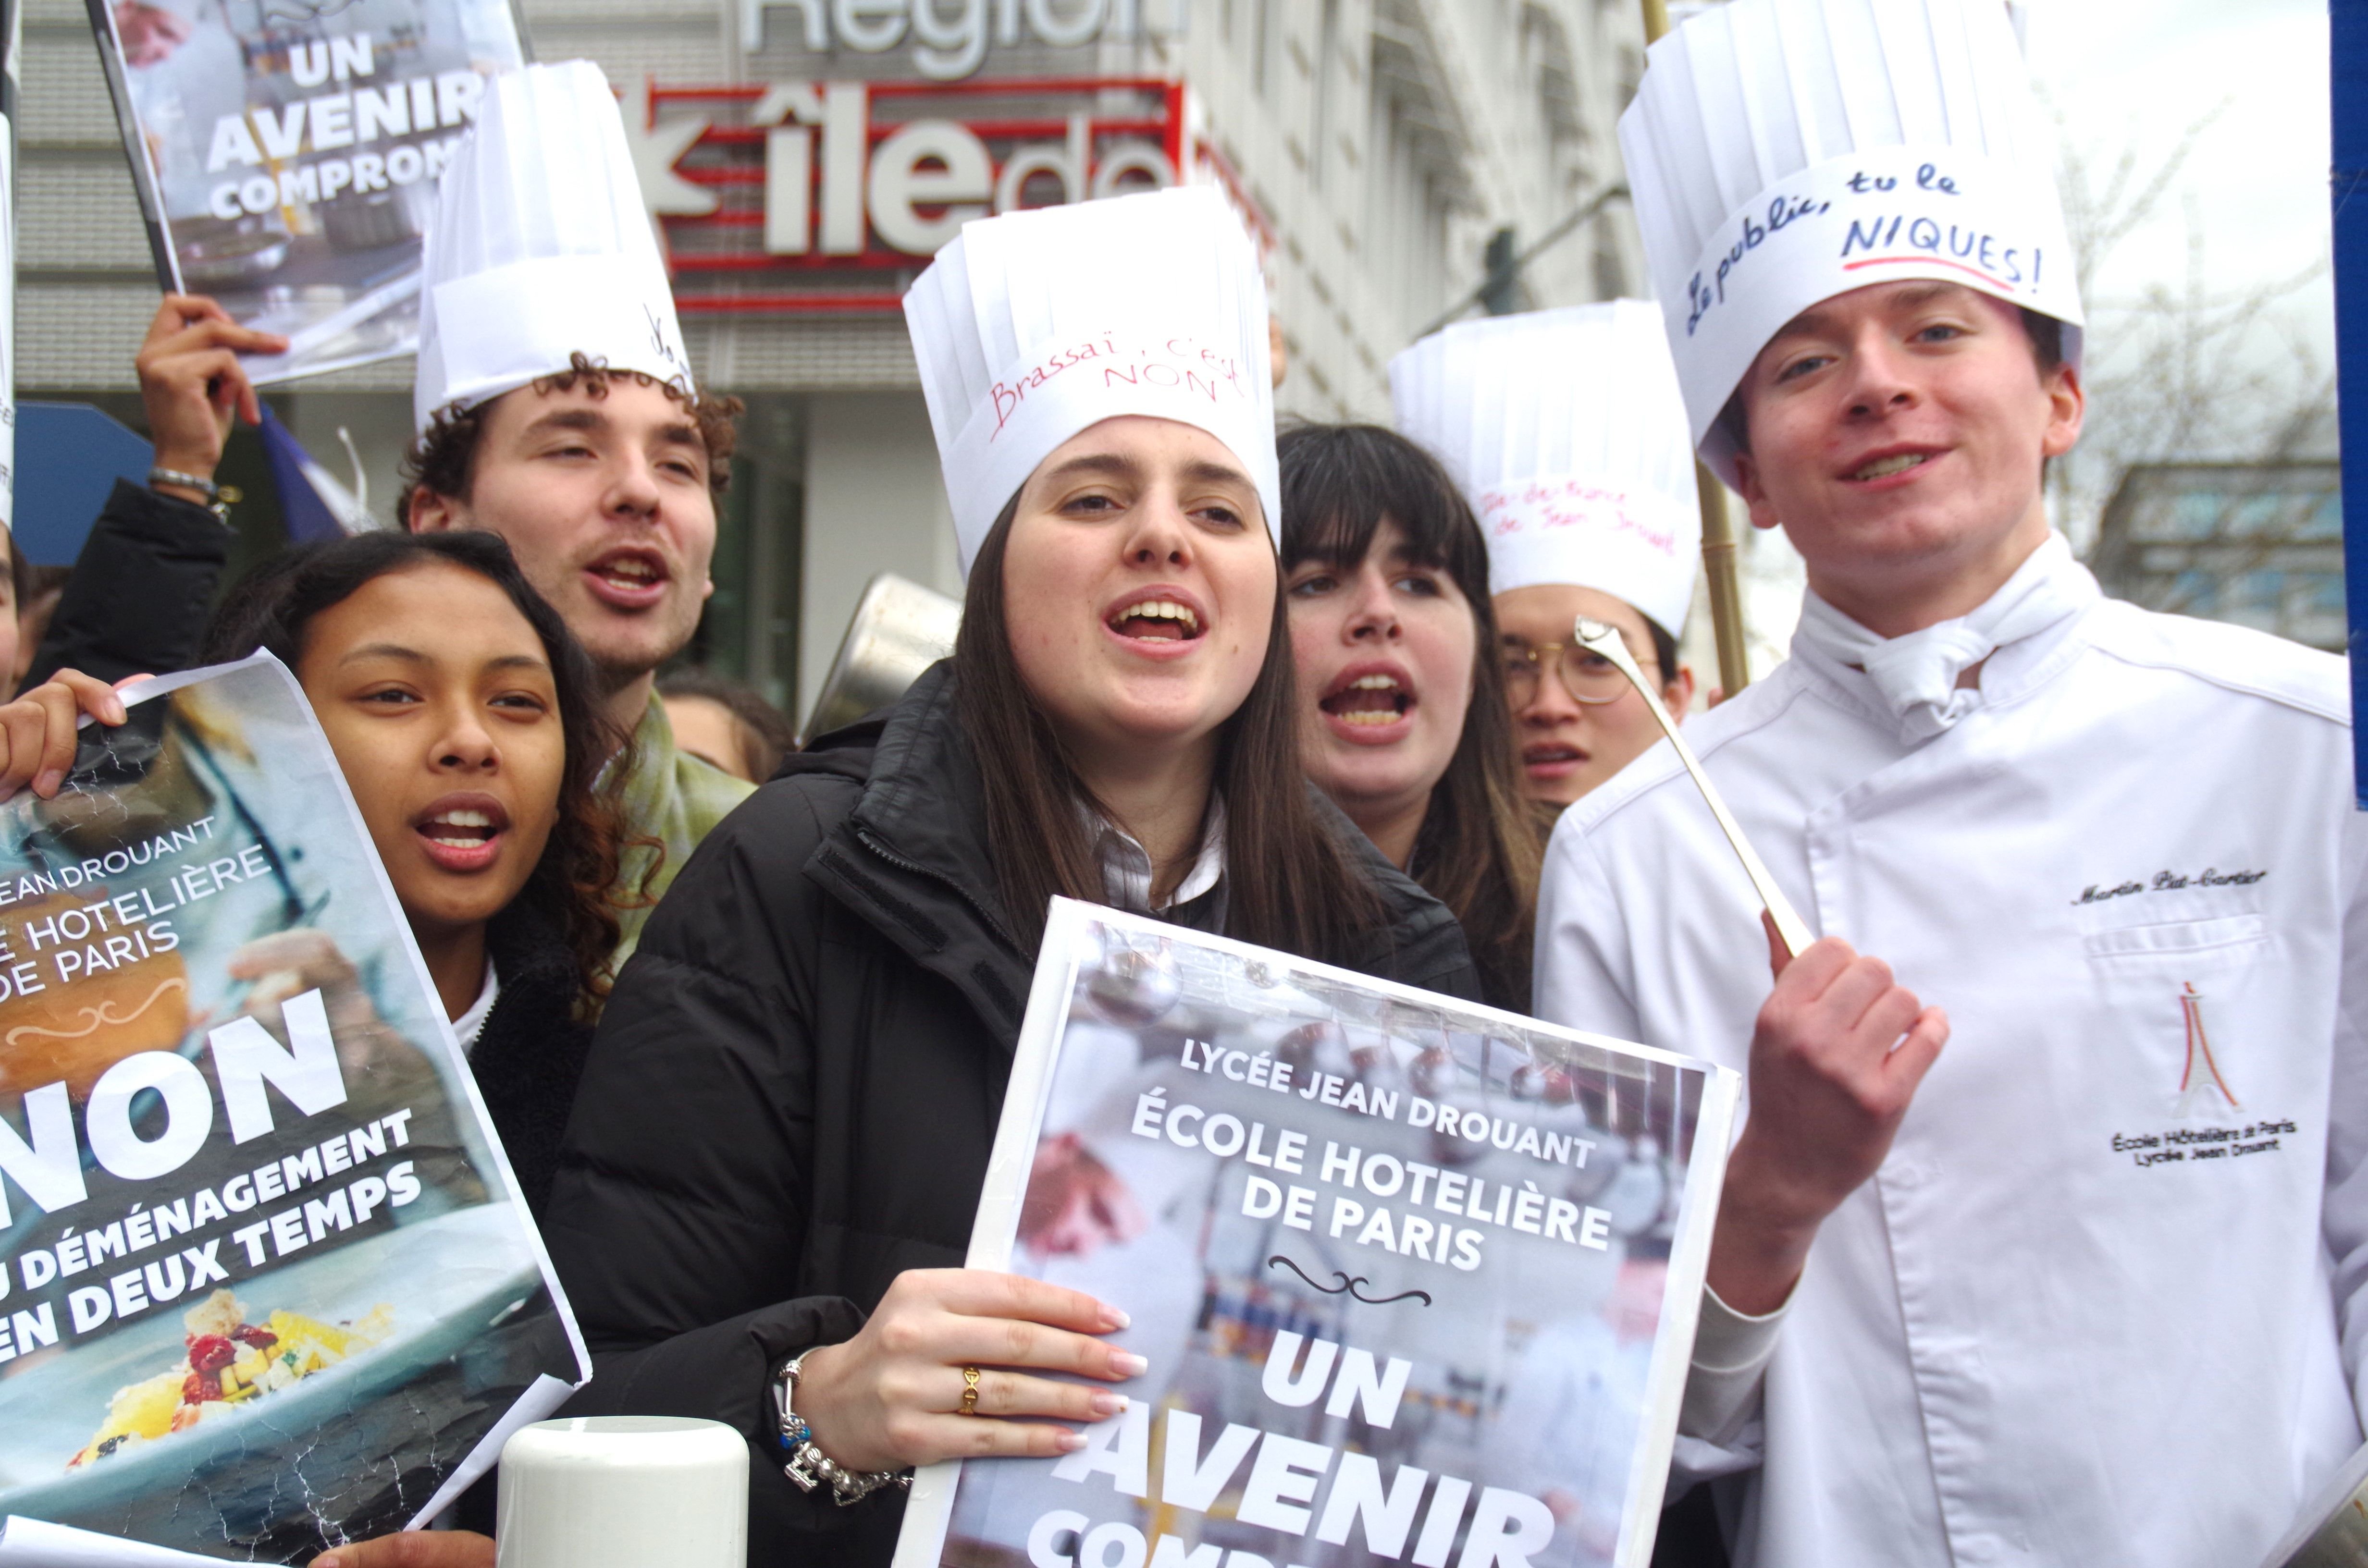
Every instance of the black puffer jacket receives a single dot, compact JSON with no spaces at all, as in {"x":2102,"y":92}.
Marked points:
{"x":793,"y":1094}
{"x":140,"y":591}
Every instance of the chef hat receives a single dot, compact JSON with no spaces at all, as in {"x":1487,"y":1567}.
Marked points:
{"x":1782,"y":151}
{"x":1564,"y":430}
{"x":1032,"y":327}
{"x":540,"y":249}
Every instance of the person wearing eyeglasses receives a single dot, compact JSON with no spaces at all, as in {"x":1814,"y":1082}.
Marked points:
{"x":1566,"y":431}
{"x":1576,"y":721}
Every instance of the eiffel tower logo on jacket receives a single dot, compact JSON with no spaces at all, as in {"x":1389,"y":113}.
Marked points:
{"x":2202,"y":1091}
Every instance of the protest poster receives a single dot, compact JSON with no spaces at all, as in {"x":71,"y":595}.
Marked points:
{"x":264,"y":1278}
{"x":12,"y":39}
{"x":286,"y":154}
{"x":1416,"y":1279}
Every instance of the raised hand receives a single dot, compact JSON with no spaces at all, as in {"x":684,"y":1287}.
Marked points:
{"x":1836,"y":1058}
{"x":192,"y":384}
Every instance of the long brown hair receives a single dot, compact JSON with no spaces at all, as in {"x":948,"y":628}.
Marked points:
{"x":1478,"y":851}
{"x":1290,"y":882}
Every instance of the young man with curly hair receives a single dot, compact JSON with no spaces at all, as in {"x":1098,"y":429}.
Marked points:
{"x":556,"y":408}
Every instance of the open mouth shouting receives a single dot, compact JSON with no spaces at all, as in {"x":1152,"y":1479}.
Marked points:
{"x":463,"y":833}
{"x":1159,"y":620}
{"x":628,"y":578}
{"x":1370,"y":704}
{"x":1889,"y":464}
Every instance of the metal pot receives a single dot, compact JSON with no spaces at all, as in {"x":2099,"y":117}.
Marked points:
{"x":899,"y":628}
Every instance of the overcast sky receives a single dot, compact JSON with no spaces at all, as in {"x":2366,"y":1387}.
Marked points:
{"x":2151,"y":68}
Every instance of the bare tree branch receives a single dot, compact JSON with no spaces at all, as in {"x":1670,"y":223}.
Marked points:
{"x":2180,"y":370}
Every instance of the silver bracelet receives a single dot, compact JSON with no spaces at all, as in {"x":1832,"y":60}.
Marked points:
{"x":205,"y":487}
{"x":218,"y":497}
{"x":808,"y":1465}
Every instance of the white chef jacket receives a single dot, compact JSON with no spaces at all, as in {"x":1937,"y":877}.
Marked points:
{"x":2030,"y":1339}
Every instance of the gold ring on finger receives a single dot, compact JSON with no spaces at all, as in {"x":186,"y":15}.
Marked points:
{"x":970,"y":1391}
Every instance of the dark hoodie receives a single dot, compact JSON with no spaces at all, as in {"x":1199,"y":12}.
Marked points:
{"x":794,"y":1090}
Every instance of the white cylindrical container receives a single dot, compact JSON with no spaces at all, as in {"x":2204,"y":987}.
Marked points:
{"x":624,"y":1492}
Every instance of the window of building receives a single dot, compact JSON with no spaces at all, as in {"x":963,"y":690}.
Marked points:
{"x":749,"y":630}
{"x":2325,"y":518}
{"x":2199,"y":514}
{"x":2257,"y":599}
{"x":2194,"y":593}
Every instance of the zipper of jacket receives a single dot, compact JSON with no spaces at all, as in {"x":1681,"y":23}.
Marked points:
{"x":993,"y":923}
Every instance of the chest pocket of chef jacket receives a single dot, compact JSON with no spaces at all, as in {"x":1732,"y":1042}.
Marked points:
{"x":2144,"y":954}
{"x":2142,"y":973}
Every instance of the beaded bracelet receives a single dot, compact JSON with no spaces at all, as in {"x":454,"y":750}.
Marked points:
{"x":219,"y":498}
{"x":808,"y":1465}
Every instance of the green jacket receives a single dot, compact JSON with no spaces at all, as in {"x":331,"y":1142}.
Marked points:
{"x":672,"y":801}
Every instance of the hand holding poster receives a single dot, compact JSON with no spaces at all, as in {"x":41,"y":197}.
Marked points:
{"x":287,"y":151}
{"x":265,"y":1282}
{"x":1416,"y":1280}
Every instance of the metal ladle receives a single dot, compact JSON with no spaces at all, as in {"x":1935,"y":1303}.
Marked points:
{"x":1603,"y":639}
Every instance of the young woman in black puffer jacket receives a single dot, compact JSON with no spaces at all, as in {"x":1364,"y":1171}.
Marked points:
{"x":781,"y":1133}
{"x":786,"y":1119}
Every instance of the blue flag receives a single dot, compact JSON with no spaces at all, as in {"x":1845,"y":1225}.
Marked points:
{"x":313,"y":505}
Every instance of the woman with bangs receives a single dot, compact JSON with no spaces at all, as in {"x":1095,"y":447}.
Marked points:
{"x":774,"y":1166}
{"x":1402,"y":694}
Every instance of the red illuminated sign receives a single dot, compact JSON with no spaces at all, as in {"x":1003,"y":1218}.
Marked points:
{"x":832,"y":195}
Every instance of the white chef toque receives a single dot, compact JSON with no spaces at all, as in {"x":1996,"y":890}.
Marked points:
{"x":1782,"y":151}
{"x":1032,"y":327}
{"x":540,"y":249}
{"x":1565,"y":431}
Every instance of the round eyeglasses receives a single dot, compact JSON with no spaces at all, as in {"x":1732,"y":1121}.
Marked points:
{"x":1588,"y":676}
